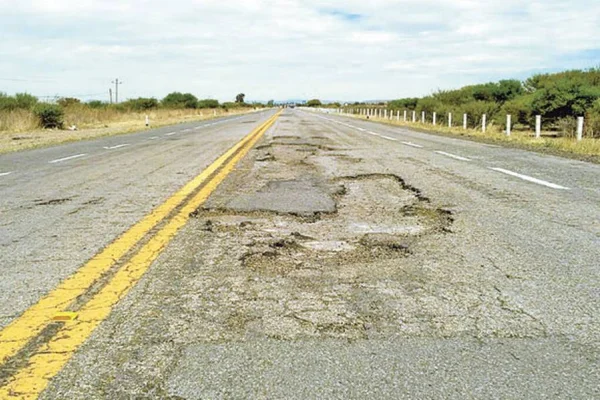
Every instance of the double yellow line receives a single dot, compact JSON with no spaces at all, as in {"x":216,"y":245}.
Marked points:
{"x":49,"y":358}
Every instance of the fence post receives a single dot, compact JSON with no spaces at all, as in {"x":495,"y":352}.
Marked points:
{"x":414,"y":119}
{"x":434,"y":117}
{"x":579,"y":128}
{"x":449,"y":120}
{"x":405,"y":115}
{"x":398,"y":115}
{"x":508,"y":121}
{"x":483,"y":122}
{"x":465,"y":121}
{"x":385,"y":113}
{"x":538,"y":126}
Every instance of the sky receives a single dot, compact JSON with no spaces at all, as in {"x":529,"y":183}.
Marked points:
{"x":347,"y":50}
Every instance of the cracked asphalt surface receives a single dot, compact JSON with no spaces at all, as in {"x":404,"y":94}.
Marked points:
{"x":337,"y":264}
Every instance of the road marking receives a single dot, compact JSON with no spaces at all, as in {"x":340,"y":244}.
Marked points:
{"x":452,"y":156}
{"x":170,"y":133}
{"x":418,"y":146}
{"x":50,"y":357}
{"x":153,"y":138}
{"x":529,"y":179}
{"x":117,"y":146}
{"x":5,"y":173}
{"x":389,"y":138}
{"x":372,"y":133}
{"x":67,"y":158}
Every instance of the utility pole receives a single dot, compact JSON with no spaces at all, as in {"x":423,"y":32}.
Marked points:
{"x":110,"y":95}
{"x":117,"y":83}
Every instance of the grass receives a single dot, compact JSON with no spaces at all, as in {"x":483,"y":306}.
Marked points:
{"x":19,"y":129}
{"x":587,"y":149}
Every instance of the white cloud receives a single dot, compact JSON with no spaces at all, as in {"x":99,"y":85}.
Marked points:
{"x":286,"y":48}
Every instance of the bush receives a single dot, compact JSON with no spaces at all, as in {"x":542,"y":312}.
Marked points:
{"x":180,"y":100}
{"x":49,"y":115}
{"x":97,"y":104}
{"x":208,"y":103}
{"x":141,"y":104}
{"x":68,"y":102}
{"x":22,"y":101}
{"x":314,"y":103}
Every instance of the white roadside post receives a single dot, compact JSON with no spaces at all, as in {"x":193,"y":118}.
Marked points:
{"x":398,"y":115}
{"x":215,"y":113}
{"x":405,"y":115}
{"x":423,"y":117}
{"x":483,"y":122}
{"x":434,"y":118}
{"x":385,"y":113}
{"x":508,"y":117}
{"x":414,"y":119}
{"x":465,"y":122}
{"x":579,"y":129}
{"x":538,"y":126}
{"x":449,"y":120}
{"x":147,"y":121}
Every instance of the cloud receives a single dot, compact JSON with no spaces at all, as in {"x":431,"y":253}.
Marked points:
{"x":284,"y":48}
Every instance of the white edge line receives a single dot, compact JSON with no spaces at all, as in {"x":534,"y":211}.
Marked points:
{"x":5,"y":173}
{"x":529,"y":178}
{"x":153,"y":138}
{"x":170,"y":133}
{"x":418,"y":146}
{"x":452,"y":156}
{"x":389,"y":138}
{"x":66,"y":158}
{"x":117,"y":146}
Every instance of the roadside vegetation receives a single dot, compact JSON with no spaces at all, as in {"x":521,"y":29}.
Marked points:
{"x":26,"y":122}
{"x":559,"y":99}
{"x":23,"y":112}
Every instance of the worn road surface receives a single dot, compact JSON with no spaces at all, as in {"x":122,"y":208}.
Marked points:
{"x":339,"y":259}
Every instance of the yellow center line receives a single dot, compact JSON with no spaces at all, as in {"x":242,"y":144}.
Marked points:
{"x":51,"y":357}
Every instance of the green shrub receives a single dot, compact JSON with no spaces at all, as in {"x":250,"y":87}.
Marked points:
{"x":68,"y":102}
{"x":141,"y":104}
{"x":49,"y":115}
{"x":208,"y":103}
{"x":23,"y":101}
{"x":96,"y":104}
{"x":180,"y":100}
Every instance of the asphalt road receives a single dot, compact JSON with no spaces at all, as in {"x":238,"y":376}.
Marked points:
{"x":341,"y":259}
{"x":60,"y":205}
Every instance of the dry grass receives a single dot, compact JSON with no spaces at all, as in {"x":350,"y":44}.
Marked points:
{"x":588,"y":147}
{"x":19,"y":129}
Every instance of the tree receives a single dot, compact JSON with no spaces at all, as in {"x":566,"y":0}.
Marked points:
{"x":240,"y":98}
{"x":270,"y":103}
{"x":180,"y":100}
{"x":314,"y":103}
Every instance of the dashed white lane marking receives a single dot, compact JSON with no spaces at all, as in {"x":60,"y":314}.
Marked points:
{"x":530,"y":179}
{"x":67,"y":158}
{"x":418,"y":146}
{"x":452,"y":156}
{"x":5,"y":173}
{"x":372,"y":133}
{"x":153,"y":138}
{"x":117,"y":146}
{"x":389,"y":138}
{"x":170,"y":133}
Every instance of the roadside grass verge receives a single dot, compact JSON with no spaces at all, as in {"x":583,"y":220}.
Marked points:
{"x":587,"y":149}
{"x":25,"y":132}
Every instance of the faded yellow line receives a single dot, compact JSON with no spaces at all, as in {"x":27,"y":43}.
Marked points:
{"x":20,"y":331}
